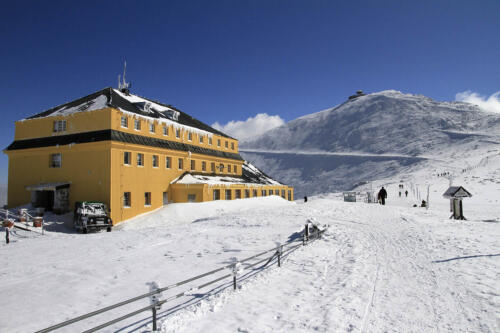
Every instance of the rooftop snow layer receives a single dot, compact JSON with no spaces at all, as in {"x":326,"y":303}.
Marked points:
{"x":250,"y":176}
{"x":136,"y":105}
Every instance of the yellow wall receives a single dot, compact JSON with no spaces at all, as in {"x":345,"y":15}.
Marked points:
{"x":204,"y":192}
{"x":184,"y":137}
{"x":85,"y":166}
{"x":140,"y":179}
{"x":97,"y":172}
{"x":76,"y":123}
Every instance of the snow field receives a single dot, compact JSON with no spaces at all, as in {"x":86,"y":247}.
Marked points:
{"x":390,"y":268}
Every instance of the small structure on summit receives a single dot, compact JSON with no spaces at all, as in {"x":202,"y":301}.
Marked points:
{"x":456,"y":194}
{"x":359,"y":93}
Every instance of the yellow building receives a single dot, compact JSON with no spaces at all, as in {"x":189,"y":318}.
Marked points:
{"x":131,"y":153}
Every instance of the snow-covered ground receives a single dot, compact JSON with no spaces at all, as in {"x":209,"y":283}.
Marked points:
{"x":392,"y":268}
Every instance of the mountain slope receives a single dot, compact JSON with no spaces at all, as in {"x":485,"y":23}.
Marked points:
{"x":414,"y":129}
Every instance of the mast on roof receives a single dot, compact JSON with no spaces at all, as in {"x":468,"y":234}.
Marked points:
{"x":123,"y":85}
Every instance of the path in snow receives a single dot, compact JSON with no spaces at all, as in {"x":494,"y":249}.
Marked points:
{"x":373,"y":272}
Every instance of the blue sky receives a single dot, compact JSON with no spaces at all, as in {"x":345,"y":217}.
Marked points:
{"x":230,"y":60}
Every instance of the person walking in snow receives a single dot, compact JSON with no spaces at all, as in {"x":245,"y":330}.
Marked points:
{"x":382,"y":195}
{"x":406,"y":193}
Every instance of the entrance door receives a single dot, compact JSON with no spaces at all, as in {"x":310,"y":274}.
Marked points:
{"x":165,"y":198}
{"x":45,"y":199}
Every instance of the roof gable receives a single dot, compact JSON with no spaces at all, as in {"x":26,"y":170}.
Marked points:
{"x":456,"y":192}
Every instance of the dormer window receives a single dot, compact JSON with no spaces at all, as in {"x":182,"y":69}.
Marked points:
{"x":124,"y":122}
{"x":59,"y":125}
{"x":137,"y":124}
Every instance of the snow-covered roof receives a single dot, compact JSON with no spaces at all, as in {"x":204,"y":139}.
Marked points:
{"x":251,"y":176}
{"x":136,"y":105}
{"x":456,"y":192}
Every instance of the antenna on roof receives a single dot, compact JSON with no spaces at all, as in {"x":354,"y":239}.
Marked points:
{"x":123,"y":85}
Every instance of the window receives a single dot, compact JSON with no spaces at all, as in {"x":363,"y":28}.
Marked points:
{"x":232,"y":145}
{"x":165,"y":130}
{"x":124,"y":121}
{"x":181,"y":166}
{"x":212,"y":167}
{"x":271,"y":192}
{"x":190,"y":136}
{"x":209,"y":140}
{"x":147,"y":198}
{"x":263,"y":193}
{"x":168,"y":162}
{"x":247,"y":193}
{"x":201,"y":138}
{"x":218,"y":142}
{"x":228,"y":194}
{"x":177,"y":133}
{"x":191,"y":197}
{"x":225,"y":144}
{"x":283,"y":194}
{"x":193,"y":164}
{"x":59,"y":125}
{"x":155,"y":161}
{"x":216,"y":195}
{"x":254,"y":194}
{"x":238,"y":194}
{"x":235,"y":169}
{"x":229,"y":168}
{"x":140,"y":159}
{"x":289,"y":195}
{"x":127,"y":158}
{"x":221,"y":167}
{"x":137,"y":124}
{"x":56,"y":160}
{"x":152,"y":128}
{"x":203,"y":166}
{"x":127,"y":201}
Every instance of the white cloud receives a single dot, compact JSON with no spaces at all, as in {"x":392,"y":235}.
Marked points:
{"x":491,"y":104}
{"x":252,"y":127}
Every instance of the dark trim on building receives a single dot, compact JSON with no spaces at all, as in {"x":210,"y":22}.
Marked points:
{"x":113,"y":135}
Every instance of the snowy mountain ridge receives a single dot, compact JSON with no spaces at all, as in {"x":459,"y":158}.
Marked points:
{"x":306,"y":151}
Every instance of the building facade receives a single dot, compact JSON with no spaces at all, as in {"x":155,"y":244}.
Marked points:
{"x":131,"y":153}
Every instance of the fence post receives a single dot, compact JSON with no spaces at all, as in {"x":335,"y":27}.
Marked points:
{"x":154,"y":319}
{"x":280,"y":249}
{"x":235,"y":272}
{"x":154,"y":299}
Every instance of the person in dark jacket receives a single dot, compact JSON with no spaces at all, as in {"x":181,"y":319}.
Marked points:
{"x":382,"y":195}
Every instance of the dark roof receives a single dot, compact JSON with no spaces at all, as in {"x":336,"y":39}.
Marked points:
{"x":117,"y":101}
{"x":106,"y":135}
{"x":456,"y":191}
